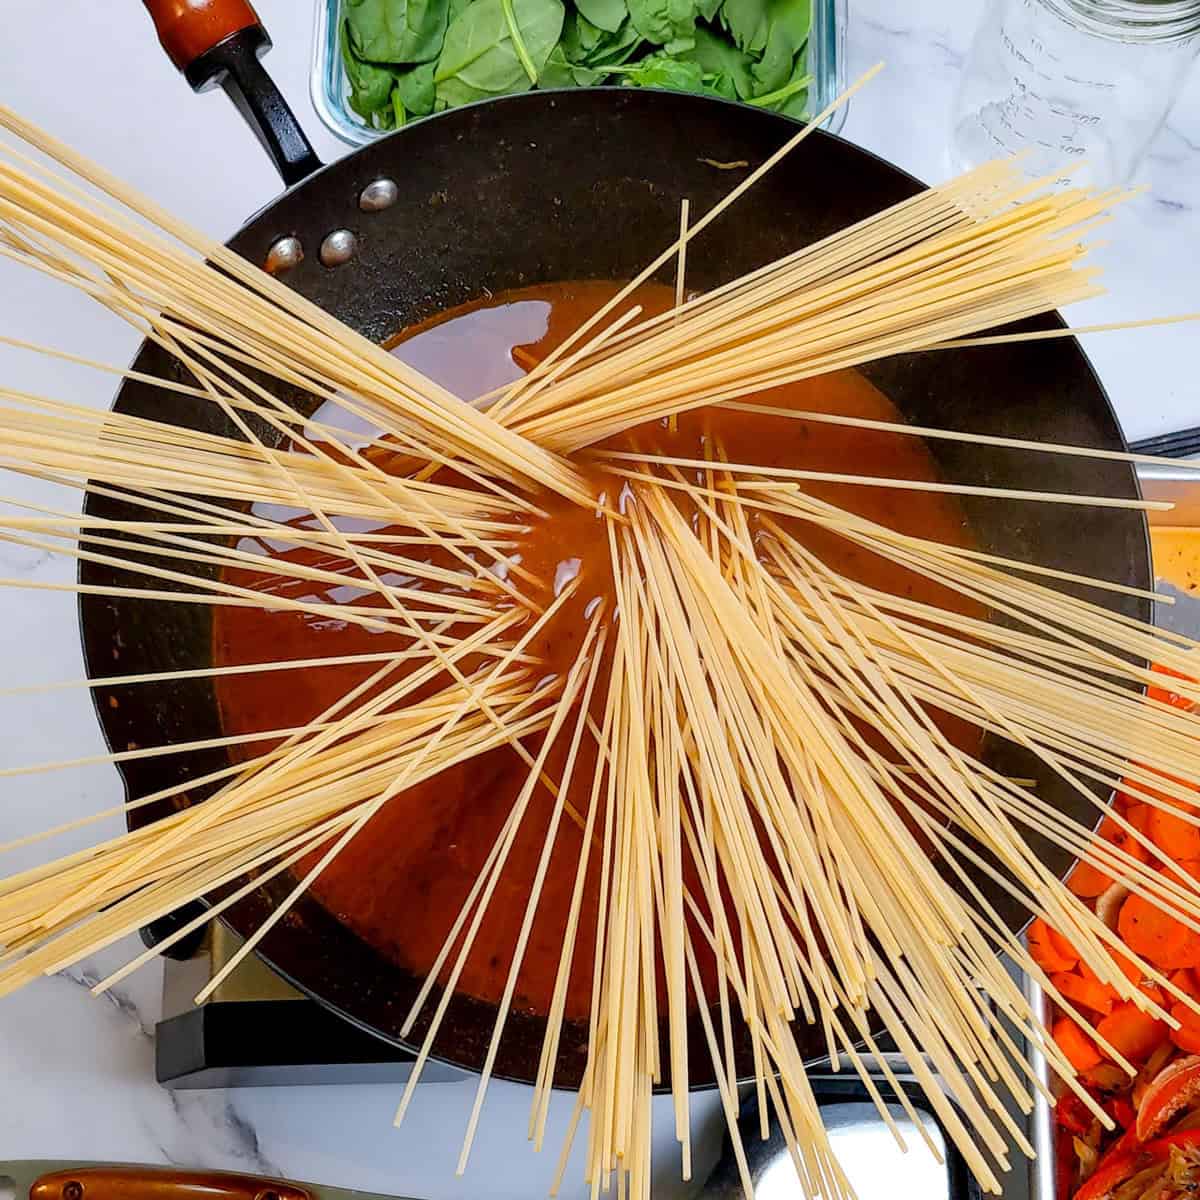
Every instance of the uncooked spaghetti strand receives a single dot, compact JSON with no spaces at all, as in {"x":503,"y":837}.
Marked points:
{"x":368,"y":484}
{"x":504,"y":844}
{"x":549,"y":1056}
{"x":269,"y":567}
{"x":65,"y":525}
{"x":797,"y":473}
{"x":925,"y":255}
{"x":434,"y":405}
{"x":258,"y":776}
{"x":979,"y":234}
{"x":937,"y":433}
{"x":542,"y":375}
{"x":592,"y":656}
{"x":446,"y":661}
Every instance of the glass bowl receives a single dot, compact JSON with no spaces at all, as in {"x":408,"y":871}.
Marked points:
{"x":826,"y":49}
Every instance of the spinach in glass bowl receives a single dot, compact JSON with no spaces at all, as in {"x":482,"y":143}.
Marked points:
{"x":382,"y":63}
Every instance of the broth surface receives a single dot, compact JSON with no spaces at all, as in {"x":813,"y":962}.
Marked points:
{"x":400,"y":884}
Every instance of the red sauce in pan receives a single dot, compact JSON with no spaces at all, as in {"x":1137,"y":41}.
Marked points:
{"x":401,"y":883}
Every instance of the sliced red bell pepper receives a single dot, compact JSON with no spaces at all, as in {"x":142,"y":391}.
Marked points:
{"x":1122,"y":1162}
{"x":1121,"y":1109}
{"x":1127,"y":1156}
{"x":1186,"y":1139}
{"x":1175,"y":1088}
{"x":1116,"y":1165}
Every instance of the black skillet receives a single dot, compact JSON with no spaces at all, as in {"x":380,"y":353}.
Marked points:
{"x":553,"y":186}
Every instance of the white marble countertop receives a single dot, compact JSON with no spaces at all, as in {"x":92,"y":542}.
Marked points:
{"x":76,"y":1074}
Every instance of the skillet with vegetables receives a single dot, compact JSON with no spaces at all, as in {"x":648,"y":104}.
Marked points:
{"x":1153,"y":1151}
{"x":408,"y":58}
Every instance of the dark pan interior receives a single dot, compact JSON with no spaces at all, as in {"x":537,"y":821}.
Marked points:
{"x":587,"y":184}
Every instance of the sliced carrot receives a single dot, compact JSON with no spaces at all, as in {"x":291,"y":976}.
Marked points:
{"x":1078,"y":1048}
{"x":1130,"y":969}
{"x":1186,"y":1017}
{"x":1164,"y":695}
{"x":1145,"y":930}
{"x":1152,"y":993}
{"x":1132,"y":1033}
{"x":1170,"y":832}
{"x":1062,"y":945}
{"x":1191,"y":868}
{"x":1173,"y":835}
{"x":1157,"y":936}
{"x":1138,"y":815}
{"x":1186,"y":1037}
{"x":1087,"y":993}
{"x":1045,"y":951}
{"x":1087,"y":881}
{"x":1125,"y":965}
{"x":1186,"y":981}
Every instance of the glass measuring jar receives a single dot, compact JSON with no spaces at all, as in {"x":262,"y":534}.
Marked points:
{"x":1085,"y":82}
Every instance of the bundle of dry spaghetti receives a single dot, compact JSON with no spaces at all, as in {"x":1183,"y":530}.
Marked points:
{"x":739,"y":812}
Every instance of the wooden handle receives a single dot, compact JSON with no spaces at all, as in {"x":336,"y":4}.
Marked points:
{"x":154,"y":1183}
{"x":189,"y":28}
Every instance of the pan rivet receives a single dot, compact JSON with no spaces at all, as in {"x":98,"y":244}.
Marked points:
{"x":338,"y":248}
{"x":377,"y":196}
{"x":283,"y":255}
{"x":72,"y":1190}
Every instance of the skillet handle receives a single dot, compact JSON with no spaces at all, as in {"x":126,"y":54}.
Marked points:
{"x":220,"y":42}
{"x":1183,"y":443}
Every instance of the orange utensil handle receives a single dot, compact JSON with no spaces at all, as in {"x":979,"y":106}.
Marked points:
{"x":189,"y":28}
{"x":159,"y":1183}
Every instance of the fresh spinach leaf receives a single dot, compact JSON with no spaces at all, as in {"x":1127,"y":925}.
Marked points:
{"x":415,"y":90}
{"x":604,"y":14}
{"x":725,"y":66}
{"x":788,"y":26}
{"x":774,"y":69}
{"x":370,"y":85}
{"x":664,"y":21}
{"x":746,"y":23}
{"x":586,"y":45}
{"x":397,"y":31}
{"x":781,"y":97}
{"x":614,"y":49}
{"x":479,"y":58}
{"x":796,"y":105}
{"x":559,"y":73}
{"x":662,"y":71}
{"x":580,"y":38}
